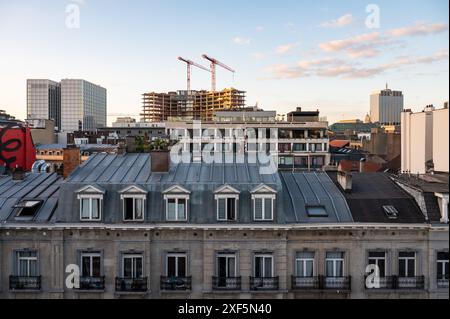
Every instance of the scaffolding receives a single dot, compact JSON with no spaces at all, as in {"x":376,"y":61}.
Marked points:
{"x":199,"y":105}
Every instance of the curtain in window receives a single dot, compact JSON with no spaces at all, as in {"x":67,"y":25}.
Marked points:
{"x":139,"y":208}
{"x":221,"y":203}
{"x":171,"y":209}
{"x":267,"y":208}
{"x":258,"y":208}
{"x":85,"y":208}
{"x":181,"y":209}
{"x":95,"y":208}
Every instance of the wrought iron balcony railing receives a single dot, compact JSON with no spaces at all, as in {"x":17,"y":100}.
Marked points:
{"x":306,"y":283}
{"x":226,"y":283}
{"x":131,"y":284}
{"x":92,"y":283}
{"x":442,"y":281}
{"x":395,"y":282}
{"x":264,"y":283}
{"x":176,"y":283}
{"x":24,"y":283}
{"x":337,"y":283}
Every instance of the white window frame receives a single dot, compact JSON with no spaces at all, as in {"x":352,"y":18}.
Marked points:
{"x":335,"y":261}
{"x":133,"y":257}
{"x":91,"y":197}
{"x":377,"y":259}
{"x":441,"y":263}
{"x":263,"y":197}
{"x":406,"y":259}
{"x":177,"y":256}
{"x":227,"y":256}
{"x":304,"y":261}
{"x":236,"y":209}
{"x":28,"y":260}
{"x":90,"y":256}
{"x":177,"y":198}
{"x":134,"y":197}
{"x":263,"y":256}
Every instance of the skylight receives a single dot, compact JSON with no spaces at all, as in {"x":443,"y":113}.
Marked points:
{"x":316,"y":211}
{"x":391,"y":212}
{"x":28,"y":208}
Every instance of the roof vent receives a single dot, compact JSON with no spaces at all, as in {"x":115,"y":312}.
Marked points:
{"x":28,"y":208}
{"x":391,"y":212}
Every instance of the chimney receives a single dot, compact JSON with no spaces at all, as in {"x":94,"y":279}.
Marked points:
{"x":18,"y":174}
{"x":345,"y":181}
{"x":160,"y":161}
{"x":131,"y":144}
{"x":71,"y":159}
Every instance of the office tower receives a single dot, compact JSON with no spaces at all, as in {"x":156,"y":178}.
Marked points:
{"x":386,"y":106}
{"x":83,"y":105}
{"x":44,"y":100}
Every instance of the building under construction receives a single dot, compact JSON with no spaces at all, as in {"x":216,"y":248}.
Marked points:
{"x":198,"y":105}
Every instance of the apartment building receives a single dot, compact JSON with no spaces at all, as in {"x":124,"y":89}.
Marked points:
{"x":215,"y":231}
{"x":386,"y":106}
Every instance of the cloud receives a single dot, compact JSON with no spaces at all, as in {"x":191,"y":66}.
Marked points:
{"x":419,"y":29}
{"x":331,"y":67}
{"x":283,"y":49}
{"x":258,"y":55}
{"x":241,"y":41}
{"x":369,"y":45}
{"x":259,"y":28}
{"x":338,"y":23}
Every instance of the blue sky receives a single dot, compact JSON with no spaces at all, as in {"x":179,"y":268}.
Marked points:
{"x":314,"y":54}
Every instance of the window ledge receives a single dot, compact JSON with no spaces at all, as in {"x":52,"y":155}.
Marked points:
{"x":133,"y":293}
{"x":26,"y":291}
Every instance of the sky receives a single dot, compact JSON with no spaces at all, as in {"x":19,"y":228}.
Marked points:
{"x":327,"y":55}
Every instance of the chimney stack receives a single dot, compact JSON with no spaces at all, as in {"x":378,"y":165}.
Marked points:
{"x":345,"y":180}
{"x":18,"y":174}
{"x":160,"y":161}
{"x":71,"y":159}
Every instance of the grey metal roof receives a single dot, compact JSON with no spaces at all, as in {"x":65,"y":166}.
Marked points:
{"x":43,"y":187}
{"x":295,"y":191}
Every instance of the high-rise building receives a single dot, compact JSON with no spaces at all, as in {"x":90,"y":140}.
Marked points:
{"x":72,"y":104}
{"x":44,"y":100}
{"x":386,"y":106}
{"x":83,"y":105}
{"x":425,"y":141}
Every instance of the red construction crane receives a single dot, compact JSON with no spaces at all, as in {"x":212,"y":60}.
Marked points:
{"x":189,"y":64}
{"x":215,"y":62}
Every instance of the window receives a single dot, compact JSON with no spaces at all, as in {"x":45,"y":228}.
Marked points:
{"x":27,"y":264}
{"x":304,"y":264}
{"x":133,"y":207}
{"x":176,"y":209}
{"x":226,"y":208}
{"x":407,"y":264}
{"x":177,"y":199}
{"x":335,"y":264}
{"x":263,"y":208}
{"x":391,"y":212}
{"x":28,"y":208}
{"x":316,"y":211}
{"x":378,"y":258}
{"x":299,"y":147}
{"x":90,"y":208}
{"x":132,"y":266}
{"x":176,"y":265}
{"x":442,"y":265}
{"x":226,"y":265}
{"x":90,"y":264}
{"x":286,"y":161}
{"x":263,"y":266}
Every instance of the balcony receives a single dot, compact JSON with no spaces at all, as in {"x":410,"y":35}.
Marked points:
{"x":264,"y":283}
{"x":226,"y":283}
{"x":24,"y":283}
{"x":442,"y":281}
{"x":389,"y":282}
{"x":176,"y":283}
{"x":337,"y":283}
{"x":411,"y":282}
{"x":395,"y":282}
{"x":92,"y":283}
{"x":131,"y":284}
{"x":306,"y":283}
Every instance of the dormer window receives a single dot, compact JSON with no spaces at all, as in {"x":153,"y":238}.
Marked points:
{"x":177,"y":201}
{"x":91,"y":203}
{"x":27,"y":209}
{"x":227,"y":203}
{"x":133,"y":203}
{"x":263,"y":198}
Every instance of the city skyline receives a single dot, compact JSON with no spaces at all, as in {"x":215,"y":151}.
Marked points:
{"x":288,"y":55}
